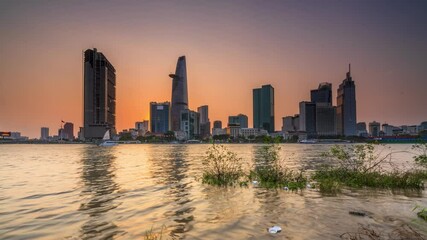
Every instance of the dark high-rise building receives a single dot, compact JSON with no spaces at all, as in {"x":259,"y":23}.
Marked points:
{"x":99,"y":95}
{"x":69,"y":130}
{"x":44,"y":133}
{"x":325,"y":112}
{"x":205,"y":124}
{"x":374,"y":129}
{"x":217,"y":124}
{"x":326,"y":119}
{"x":346,"y":107}
{"x":263,"y":108}
{"x":190,"y":123}
{"x":159,"y":117}
{"x":179,"y":93}
{"x":323,"y":94}
{"x":307,"y":118}
{"x":241,"y":120}
{"x":361,"y":126}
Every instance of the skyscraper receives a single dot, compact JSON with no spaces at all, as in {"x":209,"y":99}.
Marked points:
{"x":326,"y":119}
{"x":99,"y":95}
{"x":190,"y":123}
{"x":323,"y":94}
{"x":263,"y":108}
{"x":325,"y":112}
{"x":374,"y":129}
{"x":205,"y":124}
{"x":307,"y":118}
{"x":346,"y":107}
{"x":69,"y":131}
{"x":241,"y":120}
{"x":217,"y":124}
{"x":361,"y":129}
{"x":44,"y":133}
{"x":179,"y":93}
{"x":159,"y":117}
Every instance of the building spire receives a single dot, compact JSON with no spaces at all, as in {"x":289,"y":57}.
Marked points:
{"x":349,"y":68}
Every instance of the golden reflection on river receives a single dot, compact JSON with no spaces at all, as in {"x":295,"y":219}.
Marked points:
{"x":91,"y":192}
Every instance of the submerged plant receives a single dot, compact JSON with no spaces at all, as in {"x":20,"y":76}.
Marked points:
{"x":271,"y":171}
{"x":359,"y":158}
{"x":421,"y":154}
{"x":221,"y":166}
{"x":151,"y":235}
{"x":362,"y":166}
{"x":422,"y":213}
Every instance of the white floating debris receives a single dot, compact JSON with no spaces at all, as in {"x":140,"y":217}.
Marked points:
{"x":255,"y":182}
{"x":308,"y":185}
{"x":274,"y":229}
{"x":286,"y":188}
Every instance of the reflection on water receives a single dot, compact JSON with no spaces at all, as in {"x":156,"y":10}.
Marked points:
{"x":89,"y":192}
{"x":99,"y":193}
{"x":170,"y":168}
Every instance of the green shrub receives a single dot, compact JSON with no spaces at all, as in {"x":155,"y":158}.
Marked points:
{"x":271,"y":172}
{"x":421,"y":154}
{"x":361,"y":166}
{"x":221,"y":166}
{"x":338,"y":177}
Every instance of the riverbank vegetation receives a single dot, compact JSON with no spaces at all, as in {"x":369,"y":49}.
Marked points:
{"x":354,"y":166}
{"x":221,"y":167}
{"x":360,"y":166}
{"x":271,"y":171}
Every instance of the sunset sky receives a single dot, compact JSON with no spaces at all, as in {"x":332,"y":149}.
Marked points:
{"x":231,"y":47}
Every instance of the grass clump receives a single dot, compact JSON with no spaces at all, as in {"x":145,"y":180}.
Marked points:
{"x":271,"y":171}
{"x":422,"y":213}
{"x":333,"y":178}
{"x":420,"y":154}
{"x":221,"y":167}
{"x":361,"y":166}
{"x":151,"y":235}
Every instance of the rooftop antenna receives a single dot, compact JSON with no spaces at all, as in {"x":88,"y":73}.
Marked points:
{"x":349,"y":68}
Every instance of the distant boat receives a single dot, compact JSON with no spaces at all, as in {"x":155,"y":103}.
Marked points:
{"x":106,"y":140}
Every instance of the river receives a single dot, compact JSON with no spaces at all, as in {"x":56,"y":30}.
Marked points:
{"x":90,"y":192}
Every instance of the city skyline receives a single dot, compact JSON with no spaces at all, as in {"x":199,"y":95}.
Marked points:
{"x":259,"y":46}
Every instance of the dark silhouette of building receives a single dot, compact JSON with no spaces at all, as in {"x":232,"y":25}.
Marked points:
{"x":69,"y":131}
{"x":263,"y":108}
{"x":326,"y":119}
{"x":99,"y":95}
{"x":190,"y":124}
{"x":346,"y":107}
{"x":307,"y":118}
{"x":159,"y":117}
{"x":205,"y":124}
{"x":241,"y":120}
{"x":325,"y":112}
{"x":44,"y":135}
{"x":374,"y":129}
{"x":179,"y":93}
{"x":323,"y":94}
{"x":217,"y":124}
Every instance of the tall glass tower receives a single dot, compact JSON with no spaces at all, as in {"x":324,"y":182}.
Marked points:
{"x":99,"y":95}
{"x":346,"y":107}
{"x":263,"y":107}
{"x":159,"y":117}
{"x":179,"y":93}
{"x":323,"y":94}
